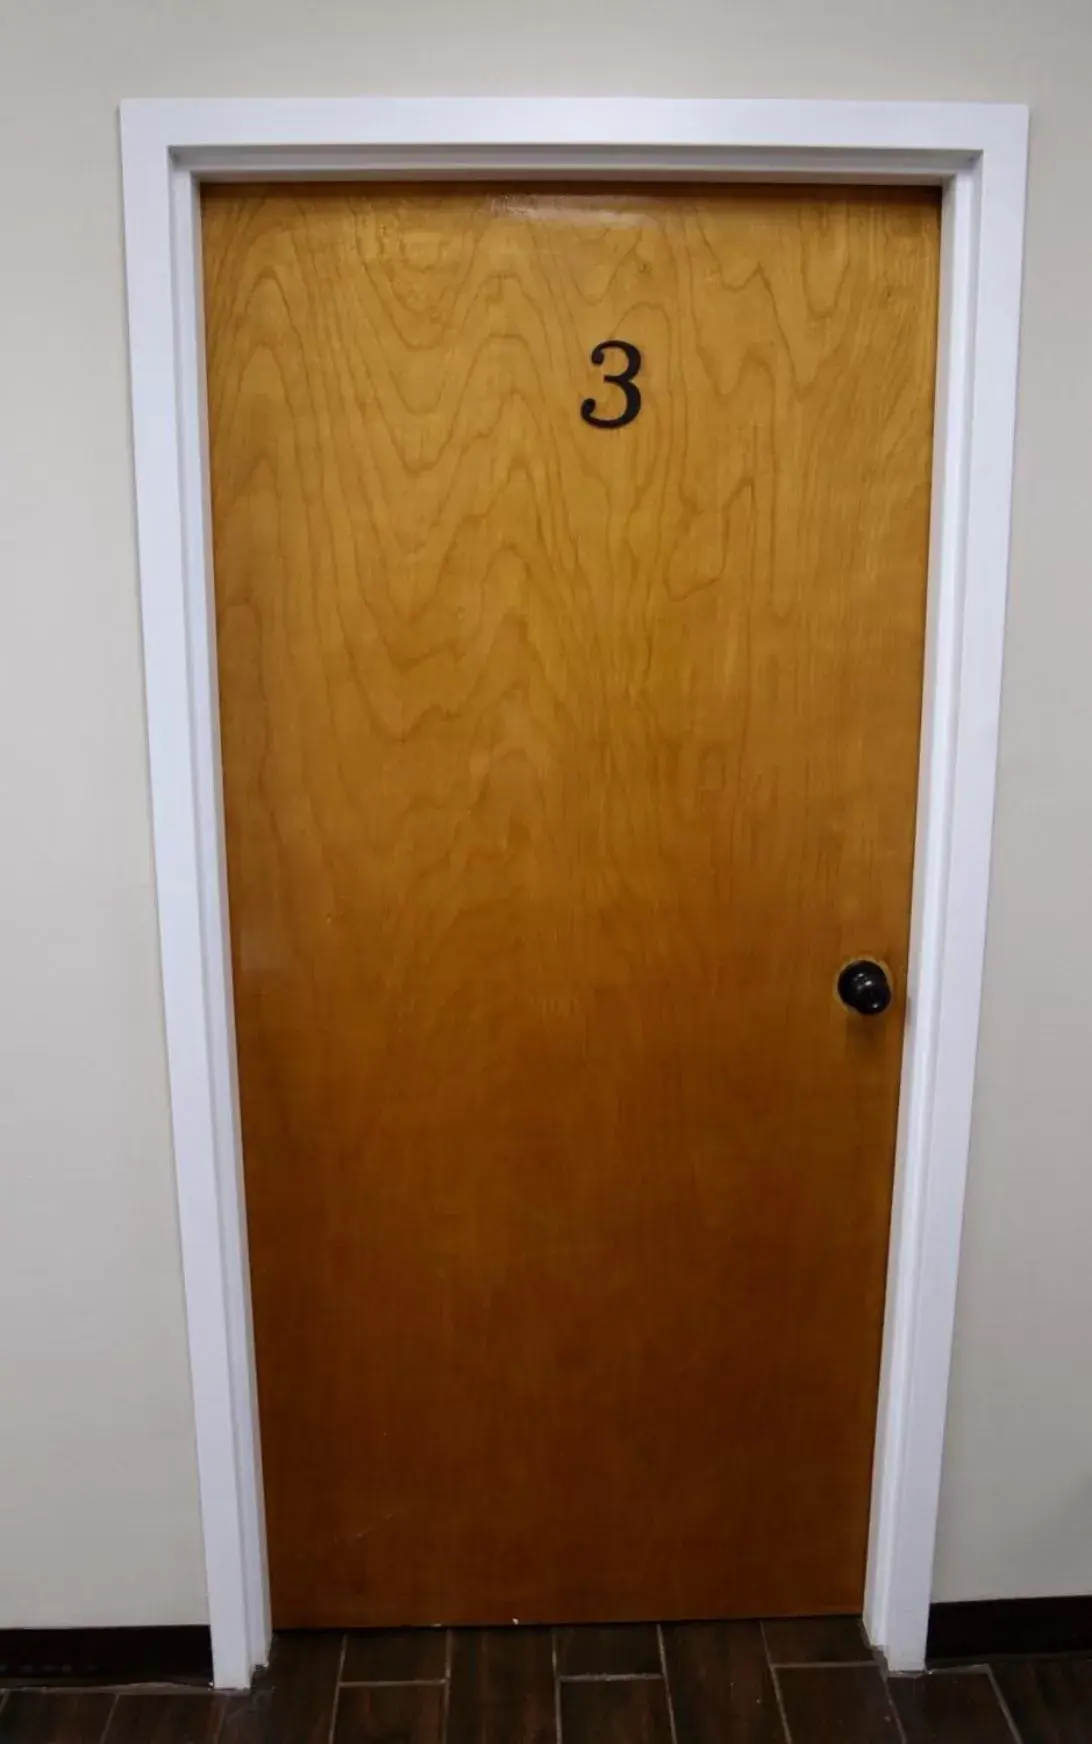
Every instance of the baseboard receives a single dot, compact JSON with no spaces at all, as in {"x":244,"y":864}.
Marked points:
{"x":181,"y":1654}
{"x":986,"y":1628}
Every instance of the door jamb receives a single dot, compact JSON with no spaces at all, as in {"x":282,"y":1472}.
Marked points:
{"x":977,"y":153}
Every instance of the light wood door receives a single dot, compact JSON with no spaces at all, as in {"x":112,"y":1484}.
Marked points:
{"x":564,"y":768}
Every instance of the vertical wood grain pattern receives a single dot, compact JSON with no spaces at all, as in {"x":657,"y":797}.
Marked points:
{"x":55,"y":1717}
{"x":831,"y":1703}
{"x":946,"y":1707}
{"x":396,"y":1656}
{"x":293,"y":1700}
{"x":408,"y":1713}
{"x":611,"y":1650}
{"x":1050,"y":1700}
{"x":816,"y":1641}
{"x":502,"y":1688}
{"x":563,"y":769}
{"x":167,"y":1718}
{"x":615,"y":1711}
{"x":721,"y":1690}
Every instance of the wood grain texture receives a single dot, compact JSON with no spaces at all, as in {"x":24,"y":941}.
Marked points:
{"x":720,"y":1684}
{"x":167,"y":1718}
{"x":563,"y":769}
{"x":396,"y":1656}
{"x":292,"y":1700}
{"x":409,"y":1713}
{"x":1049,"y":1699}
{"x":53,"y":1717}
{"x":949,"y":1707}
{"x":618,"y":1650}
{"x":837,"y":1704}
{"x":502,"y":1688}
{"x":816,"y":1641}
{"x":615,"y":1711}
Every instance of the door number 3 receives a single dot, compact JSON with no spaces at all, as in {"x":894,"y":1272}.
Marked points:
{"x":623,"y":378}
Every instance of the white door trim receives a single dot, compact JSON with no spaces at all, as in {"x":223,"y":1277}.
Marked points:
{"x":977,"y":152}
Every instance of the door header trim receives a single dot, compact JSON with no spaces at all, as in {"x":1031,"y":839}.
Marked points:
{"x":977,"y":153}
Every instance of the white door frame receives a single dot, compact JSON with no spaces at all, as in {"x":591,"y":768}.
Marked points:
{"x":977,"y":153}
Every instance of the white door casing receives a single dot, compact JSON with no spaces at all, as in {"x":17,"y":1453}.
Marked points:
{"x":977,"y":153}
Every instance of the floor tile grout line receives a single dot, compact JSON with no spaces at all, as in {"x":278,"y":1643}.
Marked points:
{"x":445,"y":1705}
{"x":899,"y":1735}
{"x":393,"y":1682}
{"x":557,"y":1688}
{"x":225,"y":1705}
{"x":893,"y":1705}
{"x":109,"y":1719}
{"x":779,"y":1697}
{"x":342,"y":1650}
{"x":107,"y":1689}
{"x":825,"y":1665}
{"x":776,"y":1682}
{"x":610,"y":1677}
{"x":669,"y":1699}
{"x":1003,"y":1704}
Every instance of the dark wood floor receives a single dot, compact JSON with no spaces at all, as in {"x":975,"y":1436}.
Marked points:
{"x":809,"y":1682}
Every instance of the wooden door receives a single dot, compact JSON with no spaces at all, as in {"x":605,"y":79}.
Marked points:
{"x":565,"y":766}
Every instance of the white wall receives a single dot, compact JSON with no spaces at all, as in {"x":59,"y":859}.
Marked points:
{"x":98,"y":1504}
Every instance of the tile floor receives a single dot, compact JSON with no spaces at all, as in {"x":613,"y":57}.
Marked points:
{"x":806,"y":1682}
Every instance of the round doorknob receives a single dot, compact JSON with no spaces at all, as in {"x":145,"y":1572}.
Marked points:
{"x":864,"y":987}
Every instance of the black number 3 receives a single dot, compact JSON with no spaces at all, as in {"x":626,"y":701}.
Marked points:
{"x":624,"y":380}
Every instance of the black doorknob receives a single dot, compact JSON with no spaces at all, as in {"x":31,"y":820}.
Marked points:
{"x":864,"y":987}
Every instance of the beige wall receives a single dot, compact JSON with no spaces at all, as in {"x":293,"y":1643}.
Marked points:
{"x":98,"y":1505}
